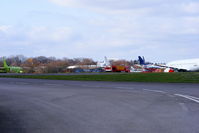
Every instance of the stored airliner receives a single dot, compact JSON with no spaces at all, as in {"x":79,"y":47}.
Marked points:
{"x":190,"y":65}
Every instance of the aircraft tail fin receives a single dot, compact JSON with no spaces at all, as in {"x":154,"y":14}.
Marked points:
{"x":106,"y":61}
{"x":141,"y":60}
{"x":4,"y":63}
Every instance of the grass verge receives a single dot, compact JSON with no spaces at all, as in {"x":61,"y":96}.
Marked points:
{"x":192,"y":77}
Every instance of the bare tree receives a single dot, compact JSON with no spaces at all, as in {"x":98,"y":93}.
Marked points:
{"x":120,"y":63}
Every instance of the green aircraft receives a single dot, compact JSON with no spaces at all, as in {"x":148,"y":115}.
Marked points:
{"x":10,"y":69}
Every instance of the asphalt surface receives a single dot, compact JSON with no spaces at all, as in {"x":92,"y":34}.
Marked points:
{"x":50,"y":106}
{"x":84,"y":73}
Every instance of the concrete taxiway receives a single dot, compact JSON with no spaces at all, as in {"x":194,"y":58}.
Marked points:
{"x":51,"y":106}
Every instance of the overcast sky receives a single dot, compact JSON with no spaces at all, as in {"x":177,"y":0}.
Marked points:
{"x":160,"y":30}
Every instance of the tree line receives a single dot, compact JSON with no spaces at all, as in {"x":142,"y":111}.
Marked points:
{"x":42,"y":64}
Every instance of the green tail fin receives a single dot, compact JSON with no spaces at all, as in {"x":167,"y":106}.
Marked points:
{"x":4,"y":63}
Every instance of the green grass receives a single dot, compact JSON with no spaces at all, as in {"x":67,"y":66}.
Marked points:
{"x":133,"y":77}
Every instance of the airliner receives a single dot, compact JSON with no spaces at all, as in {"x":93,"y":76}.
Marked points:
{"x":10,"y":69}
{"x":190,"y":65}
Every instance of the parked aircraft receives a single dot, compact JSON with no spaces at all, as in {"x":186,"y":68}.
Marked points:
{"x":149,"y":67}
{"x":185,"y":65}
{"x":189,"y":65}
{"x":10,"y":69}
{"x":104,"y":63}
{"x":141,"y":60}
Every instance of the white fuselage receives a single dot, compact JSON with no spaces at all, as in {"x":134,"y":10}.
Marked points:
{"x":188,"y":65}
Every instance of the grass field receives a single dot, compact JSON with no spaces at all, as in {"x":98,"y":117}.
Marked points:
{"x":192,"y":77}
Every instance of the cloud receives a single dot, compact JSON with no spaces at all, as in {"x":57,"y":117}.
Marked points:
{"x":191,"y":7}
{"x":33,"y":38}
{"x":109,"y":4}
{"x":64,"y":2}
{"x":4,"y":28}
{"x":95,"y":28}
{"x":49,"y":34}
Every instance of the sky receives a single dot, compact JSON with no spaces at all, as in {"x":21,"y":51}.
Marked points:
{"x":160,"y":30}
